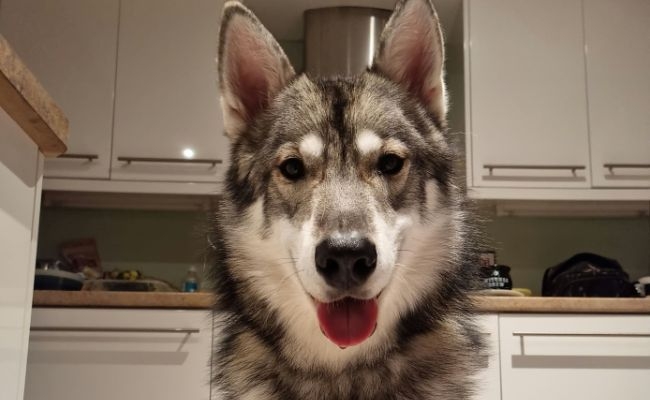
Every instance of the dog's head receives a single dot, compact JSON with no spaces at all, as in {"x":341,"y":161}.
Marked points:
{"x":340,"y":203}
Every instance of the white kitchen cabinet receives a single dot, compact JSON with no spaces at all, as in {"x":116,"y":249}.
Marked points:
{"x":569,"y":357}
{"x":168,"y":124}
{"x":527,"y":97}
{"x":489,"y":379}
{"x":21,"y":168}
{"x":617,"y":37}
{"x":71,"y":45}
{"x":108,"y":354}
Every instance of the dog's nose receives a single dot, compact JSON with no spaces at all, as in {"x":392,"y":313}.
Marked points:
{"x":346,"y":264}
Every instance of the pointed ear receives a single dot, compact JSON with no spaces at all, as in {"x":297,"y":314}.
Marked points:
{"x":252,"y":67}
{"x":411,"y":53}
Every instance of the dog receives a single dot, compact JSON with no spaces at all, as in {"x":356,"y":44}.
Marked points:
{"x":343,"y":252}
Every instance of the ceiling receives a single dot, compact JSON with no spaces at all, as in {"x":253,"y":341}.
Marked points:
{"x":284,"y":17}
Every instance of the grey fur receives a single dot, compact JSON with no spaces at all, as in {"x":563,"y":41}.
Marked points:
{"x":433,"y":349}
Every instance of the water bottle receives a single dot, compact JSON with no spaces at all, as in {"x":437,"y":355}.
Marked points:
{"x":191,"y":281}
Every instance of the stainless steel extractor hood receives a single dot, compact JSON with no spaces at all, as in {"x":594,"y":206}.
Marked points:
{"x":342,"y":40}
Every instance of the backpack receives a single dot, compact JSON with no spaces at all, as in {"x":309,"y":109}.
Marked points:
{"x":587,"y":275}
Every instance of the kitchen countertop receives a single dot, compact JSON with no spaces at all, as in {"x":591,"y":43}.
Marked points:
{"x":27,"y":103}
{"x":487,"y":304}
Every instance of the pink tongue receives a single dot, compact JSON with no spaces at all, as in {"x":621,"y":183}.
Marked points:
{"x":349,"y":321}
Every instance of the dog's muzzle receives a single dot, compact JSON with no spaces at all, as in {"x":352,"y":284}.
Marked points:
{"x":346,"y":264}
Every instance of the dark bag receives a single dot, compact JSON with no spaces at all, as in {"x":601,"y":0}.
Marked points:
{"x":587,"y":275}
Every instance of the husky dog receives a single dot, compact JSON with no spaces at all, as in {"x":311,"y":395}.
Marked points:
{"x":342,"y":251}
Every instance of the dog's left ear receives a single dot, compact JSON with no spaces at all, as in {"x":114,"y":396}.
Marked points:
{"x":252,"y":67}
{"x":411,"y":53}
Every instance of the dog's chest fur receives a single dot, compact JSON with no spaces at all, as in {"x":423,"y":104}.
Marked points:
{"x":437,"y":365}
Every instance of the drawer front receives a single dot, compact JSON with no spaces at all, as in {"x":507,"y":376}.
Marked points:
{"x":574,"y":357}
{"x":118,"y":354}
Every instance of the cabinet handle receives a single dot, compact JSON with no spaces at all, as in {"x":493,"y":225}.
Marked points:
{"x":599,"y":334}
{"x":611,"y":167}
{"x":522,"y":335}
{"x":130,"y":160}
{"x":187,"y":331}
{"x":572,"y":168}
{"x":89,"y":157}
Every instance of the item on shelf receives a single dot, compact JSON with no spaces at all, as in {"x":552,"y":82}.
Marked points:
{"x":56,"y":275}
{"x":56,"y":279}
{"x":82,"y":255}
{"x":125,"y":275}
{"x":496,"y":277}
{"x":487,"y":258}
{"x":587,"y":275}
{"x":524,"y":291}
{"x":500,"y":293}
{"x":191,"y":280}
{"x":122,"y":285}
{"x":643,"y":286}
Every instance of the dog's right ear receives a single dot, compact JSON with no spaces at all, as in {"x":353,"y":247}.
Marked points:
{"x":252,"y":67}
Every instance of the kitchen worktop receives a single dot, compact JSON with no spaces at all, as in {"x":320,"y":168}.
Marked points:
{"x":491,"y":304}
{"x":24,"y":99}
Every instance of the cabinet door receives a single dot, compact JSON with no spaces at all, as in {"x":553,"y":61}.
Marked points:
{"x":617,"y":34}
{"x":528,"y":112}
{"x":168,"y":122}
{"x":20,"y":193}
{"x":70,"y":45}
{"x":108,"y":354}
{"x":489,"y":380}
{"x":568,"y":357}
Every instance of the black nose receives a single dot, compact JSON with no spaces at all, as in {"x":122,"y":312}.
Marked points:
{"x":345,"y":264}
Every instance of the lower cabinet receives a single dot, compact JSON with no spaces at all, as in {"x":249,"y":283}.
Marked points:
{"x":108,"y":354}
{"x":125,"y":354}
{"x":572,"y":357}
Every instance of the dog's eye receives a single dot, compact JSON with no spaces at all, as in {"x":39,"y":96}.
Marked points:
{"x":292,"y":169}
{"x":390,"y":164}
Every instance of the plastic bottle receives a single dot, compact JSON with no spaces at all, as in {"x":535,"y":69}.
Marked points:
{"x":191,"y":280}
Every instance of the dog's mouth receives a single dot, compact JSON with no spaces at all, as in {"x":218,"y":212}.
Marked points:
{"x":348,"y":321}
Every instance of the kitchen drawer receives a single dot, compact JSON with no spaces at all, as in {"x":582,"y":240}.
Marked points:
{"x":108,"y":354}
{"x":574,"y":356}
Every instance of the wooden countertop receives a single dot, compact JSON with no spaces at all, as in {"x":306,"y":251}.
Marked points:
{"x":58,"y":298}
{"x":27,"y":103}
{"x":487,"y":304}
{"x":594,"y":305}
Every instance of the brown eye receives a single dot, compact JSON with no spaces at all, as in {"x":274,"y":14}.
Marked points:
{"x":390,"y":164}
{"x":292,"y":169}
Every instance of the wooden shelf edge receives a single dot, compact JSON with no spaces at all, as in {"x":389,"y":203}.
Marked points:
{"x":26,"y":102}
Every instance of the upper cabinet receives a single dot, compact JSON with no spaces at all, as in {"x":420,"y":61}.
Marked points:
{"x":527,"y":94}
{"x":71,"y":46}
{"x":168,"y":123}
{"x":557,"y":98}
{"x":138,"y":79}
{"x":617,"y":36}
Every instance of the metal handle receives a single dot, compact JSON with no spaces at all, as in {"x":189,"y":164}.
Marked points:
{"x":572,"y":168}
{"x":522,"y":335}
{"x":130,"y":160}
{"x":611,"y":166}
{"x":187,"y":331}
{"x":599,"y":334}
{"x":89,"y":157}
